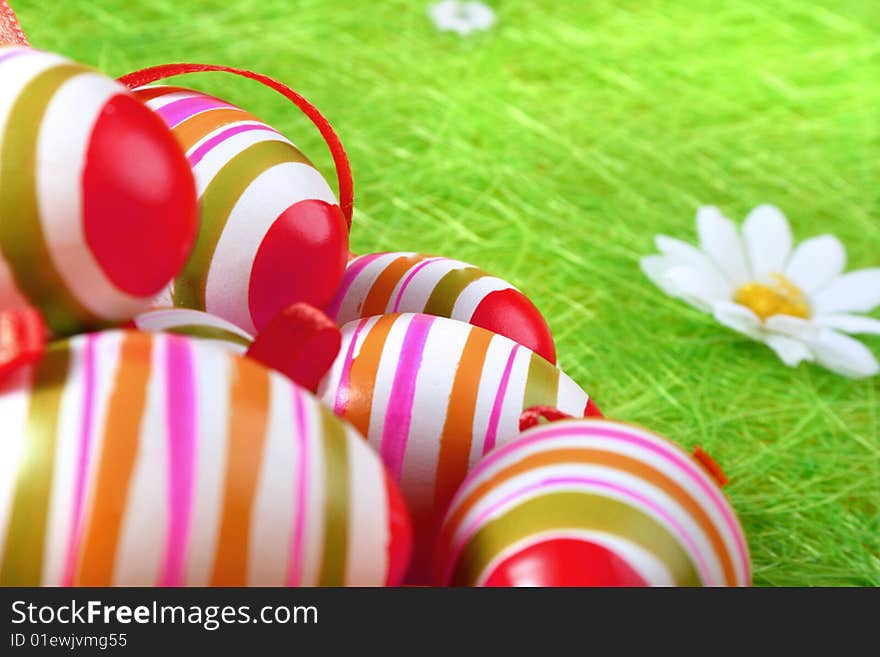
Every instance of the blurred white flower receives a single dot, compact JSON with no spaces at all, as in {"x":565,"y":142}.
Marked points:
{"x":461,"y":17}
{"x":800,"y":303}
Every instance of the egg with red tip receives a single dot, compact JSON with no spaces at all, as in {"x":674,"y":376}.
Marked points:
{"x":379,"y":283}
{"x":271,"y":232}
{"x":590,"y":503}
{"x":97,"y":202}
{"x":142,"y":459}
{"x":432,"y":395}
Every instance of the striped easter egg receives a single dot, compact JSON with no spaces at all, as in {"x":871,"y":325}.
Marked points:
{"x":590,"y":502}
{"x":380,"y":283}
{"x":97,"y":202}
{"x":271,"y":231}
{"x":433,"y":395}
{"x":195,"y":324}
{"x":144,"y":459}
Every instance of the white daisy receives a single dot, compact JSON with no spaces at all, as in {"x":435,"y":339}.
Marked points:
{"x":461,"y":17}
{"x":799,"y":303}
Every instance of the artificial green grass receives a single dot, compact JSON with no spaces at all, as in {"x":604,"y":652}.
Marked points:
{"x":550,"y":150}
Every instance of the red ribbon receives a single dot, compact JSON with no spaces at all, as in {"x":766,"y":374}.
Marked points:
{"x":340,"y":158}
{"x":22,"y":339}
{"x":531,"y":416}
{"x":11,"y":33}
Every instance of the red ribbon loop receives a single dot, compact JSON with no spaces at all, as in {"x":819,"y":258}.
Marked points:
{"x":340,"y":158}
{"x":11,"y":33}
{"x":23,"y":335}
{"x":530,"y":417}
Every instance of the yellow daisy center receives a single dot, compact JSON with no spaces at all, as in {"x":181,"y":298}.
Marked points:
{"x":780,"y":297}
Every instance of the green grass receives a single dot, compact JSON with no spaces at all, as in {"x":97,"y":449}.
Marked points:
{"x":550,"y":151}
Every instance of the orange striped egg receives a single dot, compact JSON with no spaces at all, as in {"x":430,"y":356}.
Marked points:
{"x":271,"y":231}
{"x":195,"y":324}
{"x":590,"y":502}
{"x":145,"y":459}
{"x":380,"y":283}
{"x":433,"y":395}
{"x":97,"y":202}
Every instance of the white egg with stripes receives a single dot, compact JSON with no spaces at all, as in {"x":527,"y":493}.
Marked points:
{"x":271,"y":231}
{"x":432,"y":395}
{"x":147,"y":459}
{"x":404,"y":282}
{"x":97,"y":202}
{"x":591,"y":503}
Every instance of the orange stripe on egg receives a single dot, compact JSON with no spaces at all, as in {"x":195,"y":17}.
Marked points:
{"x":384,"y":285}
{"x":249,"y":399}
{"x":455,"y":441}
{"x":121,"y":442}
{"x":364,"y":369}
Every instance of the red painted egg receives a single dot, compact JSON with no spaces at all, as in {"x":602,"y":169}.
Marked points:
{"x":272,"y":232}
{"x":97,"y":202}
{"x":380,"y":283}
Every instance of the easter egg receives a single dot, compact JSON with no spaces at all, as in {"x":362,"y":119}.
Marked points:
{"x":590,"y":503}
{"x":140,"y":459}
{"x":271,"y":231}
{"x":380,"y":283}
{"x":97,"y":201}
{"x":432,"y":395}
{"x":195,"y":324}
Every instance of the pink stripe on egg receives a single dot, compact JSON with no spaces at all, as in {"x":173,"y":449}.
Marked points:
{"x":200,"y":151}
{"x":495,"y":416}
{"x":406,"y":281}
{"x":395,"y":432}
{"x":85,"y":441}
{"x":294,"y":572}
{"x":353,"y":270}
{"x":9,"y":54}
{"x":343,"y":392}
{"x":180,"y":404}
{"x":178,"y":111}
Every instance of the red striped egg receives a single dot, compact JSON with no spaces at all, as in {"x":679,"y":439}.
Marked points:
{"x":141,"y":459}
{"x":590,"y":503}
{"x":97,"y":203}
{"x":271,"y":231}
{"x":379,"y":283}
{"x":432,"y":395}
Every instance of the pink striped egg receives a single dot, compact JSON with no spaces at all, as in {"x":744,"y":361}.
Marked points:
{"x":271,"y":231}
{"x":380,"y":283}
{"x":97,"y":202}
{"x":139,"y":459}
{"x":590,"y":502}
{"x":432,"y":395}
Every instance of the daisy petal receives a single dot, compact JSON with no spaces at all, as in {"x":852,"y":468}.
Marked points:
{"x":691,"y":256}
{"x":793,"y":327}
{"x":816,"y":262}
{"x":655,"y":268}
{"x":844,"y":355}
{"x":850,"y":323}
{"x":767,"y":238}
{"x":790,"y":351}
{"x":739,"y":318}
{"x":857,"y":291}
{"x":680,"y":250}
{"x":695,"y":287}
{"x":720,"y":240}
